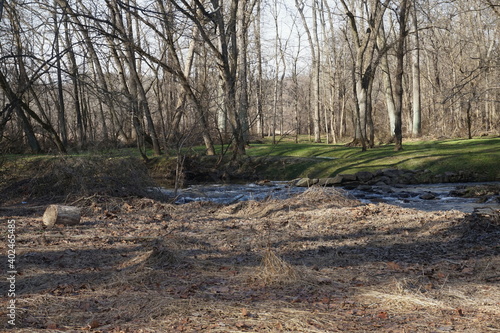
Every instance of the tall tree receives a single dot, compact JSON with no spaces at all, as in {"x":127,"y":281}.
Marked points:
{"x":259,"y":79}
{"x":225,"y":19}
{"x":243,"y":16}
{"x":61,"y":114}
{"x":416,"y":85}
{"x":364,"y":31}
{"x":387,"y":82}
{"x":312,"y":37}
{"x":75,"y":80}
{"x":82,"y":27}
{"x":402,"y":14}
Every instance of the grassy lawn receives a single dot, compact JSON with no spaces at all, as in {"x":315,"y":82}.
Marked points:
{"x":288,"y":160}
{"x":321,"y":160}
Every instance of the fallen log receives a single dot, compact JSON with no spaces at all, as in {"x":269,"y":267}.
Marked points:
{"x":64,"y":215}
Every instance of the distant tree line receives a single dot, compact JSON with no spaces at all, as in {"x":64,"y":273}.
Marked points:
{"x":79,"y":74}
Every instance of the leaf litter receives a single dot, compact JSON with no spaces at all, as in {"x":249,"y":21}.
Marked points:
{"x":316,"y":262}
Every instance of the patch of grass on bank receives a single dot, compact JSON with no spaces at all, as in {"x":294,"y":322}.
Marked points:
{"x":480,"y":156}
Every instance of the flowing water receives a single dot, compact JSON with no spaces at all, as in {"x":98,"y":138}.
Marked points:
{"x":428,"y":197}
{"x":231,"y":193}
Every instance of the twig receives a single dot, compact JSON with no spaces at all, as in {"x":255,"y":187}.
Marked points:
{"x":83,"y":198}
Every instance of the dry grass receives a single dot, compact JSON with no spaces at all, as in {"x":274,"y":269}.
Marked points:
{"x":405,"y":296}
{"x":72,"y":177}
{"x":318,"y":262}
{"x":331,"y":196}
{"x":274,"y":270}
{"x":161,"y":256}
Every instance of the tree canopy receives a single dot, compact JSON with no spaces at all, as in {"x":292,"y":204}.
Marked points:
{"x":78,"y":74}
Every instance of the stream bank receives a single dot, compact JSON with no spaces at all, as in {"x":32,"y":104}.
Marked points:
{"x":421,"y":189}
{"x":465,"y":197}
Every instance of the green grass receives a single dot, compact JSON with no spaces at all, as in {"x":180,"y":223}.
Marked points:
{"x":287,"y":160}
{"x":481,"y":156}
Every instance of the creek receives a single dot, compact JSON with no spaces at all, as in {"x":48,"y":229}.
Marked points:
{"x":427,"y":197}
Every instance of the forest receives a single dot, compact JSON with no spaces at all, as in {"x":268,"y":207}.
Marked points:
{"x":109,"y":110}
{"x":166,"y":75}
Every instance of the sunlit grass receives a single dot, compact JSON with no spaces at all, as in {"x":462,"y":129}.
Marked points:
{"x":287,"y":159}
{"x":481,"y":156}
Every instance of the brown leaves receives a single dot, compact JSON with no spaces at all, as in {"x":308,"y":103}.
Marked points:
{"x":245,"y":312}
{"x":93,"y":324}
{"x":128,"y":207}
{"x":394,"y":266}
{"x":242,"y":325}
{"x":108,"y":215}
{"x":50,"y":325}
{"x":205,"y":274}
{"x":64,"y":289}
{"x":383,"y":315}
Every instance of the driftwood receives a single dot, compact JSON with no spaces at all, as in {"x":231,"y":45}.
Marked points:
{"x":64,"y":215}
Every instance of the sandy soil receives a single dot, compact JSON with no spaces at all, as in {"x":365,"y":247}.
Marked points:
{"x":318,"y":262}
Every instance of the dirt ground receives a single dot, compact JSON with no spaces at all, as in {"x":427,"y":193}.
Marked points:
{"x":318,"y":262}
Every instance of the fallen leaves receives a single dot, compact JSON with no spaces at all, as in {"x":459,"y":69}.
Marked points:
{"x":329,"y":268}
{"x":394,"y":266}
{"x":51,"y":325}
{"x":245,"y":312}
{"x":383,"y":315}
{"x":93,"y":324}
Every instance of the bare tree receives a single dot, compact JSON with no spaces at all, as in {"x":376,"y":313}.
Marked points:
{"x":17,"y":95}
{"x":229,"y":22}
{"x":387,"y":82}
{"x":364,"y":31}
{"x":61,"y":114}
{"x":170,"y":72}
{"x":402,"y":14}
{"x":416,"y":85}
{"x":316,"y":64}
{"x":259,"y":79}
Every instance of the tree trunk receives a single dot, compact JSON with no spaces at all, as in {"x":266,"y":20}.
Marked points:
{"x":74,"y":74}
{"x":242,"y":67}
{"x":386,"y":78}
{"x":92,"y":54}
{"x":259,"y":80}
{"x":400,"y":53}
{"x":63,"y":215}
{"x":181,"y":98}
{"x":416,"y":87}
{"x":313,"y":39}
{"x":23,"y":82}
{"x":278,"y":88}
{"x":142,"y":99}
{"x":28,"y":130}
{"x":365,"y":64}
{"x":360,"y":116}
{"x":61,"y":112}
{"x":228,"y":57}
{"x":317,"y":73}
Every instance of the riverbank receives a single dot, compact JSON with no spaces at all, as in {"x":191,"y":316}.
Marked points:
{"x":316,"y":262}
{"x":121,"y":173}
{"x":432,"y":161}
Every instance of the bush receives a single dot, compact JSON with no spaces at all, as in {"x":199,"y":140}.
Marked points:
{"x":78,"y":176}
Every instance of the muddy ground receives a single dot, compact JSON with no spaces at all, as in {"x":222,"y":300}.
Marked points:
{"x":318,"y":262}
